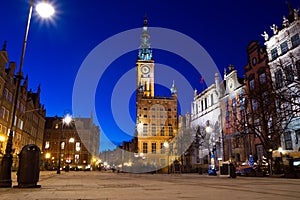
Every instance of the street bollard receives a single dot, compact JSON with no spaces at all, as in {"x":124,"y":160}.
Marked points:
{"x":29,"y":167}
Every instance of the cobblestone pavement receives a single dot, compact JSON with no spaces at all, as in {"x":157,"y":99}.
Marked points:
{"x":104,"y":186}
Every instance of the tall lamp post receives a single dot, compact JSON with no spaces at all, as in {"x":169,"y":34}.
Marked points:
{"x":167,"y":145}
{"x":44,"y":10}
{"x":66,"y":120}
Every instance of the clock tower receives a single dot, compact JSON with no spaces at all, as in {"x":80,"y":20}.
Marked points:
{"x":145,"y":65}
{"x":156,"y":117}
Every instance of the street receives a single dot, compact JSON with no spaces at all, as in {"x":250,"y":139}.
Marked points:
{"x":107,"y":185}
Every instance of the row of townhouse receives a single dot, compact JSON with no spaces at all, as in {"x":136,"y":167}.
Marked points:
{"x":28,"y":126}
{"x":31,"y":126}
{"x":238,"y":119}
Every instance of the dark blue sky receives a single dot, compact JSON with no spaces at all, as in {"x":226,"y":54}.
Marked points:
{"x":57,"y":48}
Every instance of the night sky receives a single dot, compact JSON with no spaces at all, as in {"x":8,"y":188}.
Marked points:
{"x":58,"y":49}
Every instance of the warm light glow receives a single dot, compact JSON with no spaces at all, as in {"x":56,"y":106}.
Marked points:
{"x":67,"y":119}
{"x":44,"y":9}
{"x":208,"y":129}
{"x":71,"y":140}
{"x":140,"y":127}
{"x":48,"y":155}
{"x":2,"y":138}
{"x":280,"y":149}
{"x":166,"y":144}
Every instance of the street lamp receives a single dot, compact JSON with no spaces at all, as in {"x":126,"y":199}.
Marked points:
{"x":66,"y":120}
{"x":6,"y":164}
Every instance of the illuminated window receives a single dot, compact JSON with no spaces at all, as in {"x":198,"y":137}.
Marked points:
{"x":162,"y":130}
{"x":47,"y":145}
{"x":153,"y":128}
{"x":77,"y":146}
{"x":170,"y":130}
{"x":21,"y":124}
{"x":145,"y":129}
{"x":63,"y":144}
{"x":153,"y":150}
{"x":145,"y":147}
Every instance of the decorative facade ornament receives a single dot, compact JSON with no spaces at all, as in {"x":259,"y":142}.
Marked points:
{"x":296,"y":15}
{"x":265,"y":35}
{"x":285,"y":22}
{"x":274,"y":28}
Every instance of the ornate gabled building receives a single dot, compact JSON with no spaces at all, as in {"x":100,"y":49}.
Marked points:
{"x":283,"y":49}
{"x":260,"y":130}
{"x":232,"y":103}
{"x":206,"y":123}
{"x":156,"y":117}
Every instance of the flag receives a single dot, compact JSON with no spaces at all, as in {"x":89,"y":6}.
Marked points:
{"x":201,"y":80}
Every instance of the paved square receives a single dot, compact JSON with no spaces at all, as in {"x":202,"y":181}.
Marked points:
{"x":106,"y":185}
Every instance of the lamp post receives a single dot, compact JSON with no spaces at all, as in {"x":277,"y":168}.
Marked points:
{"x":71,"y":140}
{"x":167,"y":145}
{"x":44,"y":10}
{"x":66,"y":120}
{"x":212,"y":165}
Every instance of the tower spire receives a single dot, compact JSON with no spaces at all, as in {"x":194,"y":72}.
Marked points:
{"x":145,"y":52}
{"x":145,"y":21}
{"x":173,"y":88}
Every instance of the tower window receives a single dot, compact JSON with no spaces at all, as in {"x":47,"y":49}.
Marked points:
{"x":145,"y":147}
{"x":153,"y":150}
{"x":145,"y":129}
{"x":162,"y":130}
{"x":153,"y":129}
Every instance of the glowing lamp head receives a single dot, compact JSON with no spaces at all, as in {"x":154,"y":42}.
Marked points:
{"x":44,"y":9}
{"x":48,"y":155}
{"x":166,"y":144}
{"x":2,"y":138}
{"x":67,"y":119}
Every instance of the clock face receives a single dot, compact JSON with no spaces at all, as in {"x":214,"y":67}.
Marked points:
{"x":145,"y":69}
{"x":230,"y":84}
